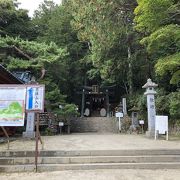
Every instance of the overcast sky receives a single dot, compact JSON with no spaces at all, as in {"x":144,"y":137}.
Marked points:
{"x":32,"y":5}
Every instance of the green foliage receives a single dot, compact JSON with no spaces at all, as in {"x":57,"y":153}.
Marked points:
{"x":151,"y":14}
{"x":164,"y":41}
{"x":108,"y":27}
{"x":174,"y":105}
{"x":169,"y":64}
{"x":42,"y":15}
{"x":41,"y":55}
{"x":168,"y":104}
{"x":56,"y":20}
{"x":139,"y":100}
{"x":162,"y":102}
{"x":67,"y":111}
{"x":15,"y":22}
{"x":159,"y":21}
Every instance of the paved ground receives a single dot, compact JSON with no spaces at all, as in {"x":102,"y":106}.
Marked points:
{"x":94,"y":142}
{"x":97,"y":175}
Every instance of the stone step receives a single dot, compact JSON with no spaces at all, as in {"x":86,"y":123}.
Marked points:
{"x":89,"y":159}
{"x":94,"y":124}
{"x":91,"y":166}
{"x":46,"y":153}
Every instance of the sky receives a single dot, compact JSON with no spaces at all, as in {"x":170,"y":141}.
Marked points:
{"x":32,"y":5}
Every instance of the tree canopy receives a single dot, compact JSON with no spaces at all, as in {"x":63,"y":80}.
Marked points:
{"x":159,"y":21}
{"x":86,"y":42}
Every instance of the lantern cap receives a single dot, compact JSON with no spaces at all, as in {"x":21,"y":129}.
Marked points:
{"x":149,"y":84}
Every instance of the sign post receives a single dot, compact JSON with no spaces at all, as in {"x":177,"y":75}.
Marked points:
{"x":35,"y":103}
{"x":6,"y":134}
{"x":119,"y":115}
{"x":141,"y":122}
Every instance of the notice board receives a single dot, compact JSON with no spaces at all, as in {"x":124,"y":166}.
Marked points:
{"x":161,"y":124}
{"x":12,"y":105}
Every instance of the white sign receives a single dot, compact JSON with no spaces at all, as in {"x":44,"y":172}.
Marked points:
{"x":141,"y":122}
{"x":161,"y":124}
{"x":119,"y":114}
{"x":12,"y":105}
{"x":35,"y":98}
{"x":61,"y":124}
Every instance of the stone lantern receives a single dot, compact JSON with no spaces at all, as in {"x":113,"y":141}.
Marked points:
{"x":134,"y":118}
{"x":150,"y":92}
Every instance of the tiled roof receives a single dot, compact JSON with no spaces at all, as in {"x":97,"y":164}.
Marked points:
{"x":6,"y":77}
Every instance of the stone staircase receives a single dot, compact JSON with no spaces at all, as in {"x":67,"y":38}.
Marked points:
{"x":23,"y":161}
{"x":94,"y":124}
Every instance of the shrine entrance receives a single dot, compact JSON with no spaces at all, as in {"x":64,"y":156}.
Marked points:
{"x":95,"y":102}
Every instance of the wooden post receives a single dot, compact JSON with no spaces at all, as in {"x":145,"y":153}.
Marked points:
{"x":107,"y":102}
{"x":142,"y":128}
{"x":37,"y":138}
{"x":6,"y":134}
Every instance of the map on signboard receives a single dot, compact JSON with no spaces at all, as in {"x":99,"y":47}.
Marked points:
{"x":12,"y":103}
{"x":11,"y":109}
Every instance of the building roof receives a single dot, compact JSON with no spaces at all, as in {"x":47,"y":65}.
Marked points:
{"x":6,"y":77}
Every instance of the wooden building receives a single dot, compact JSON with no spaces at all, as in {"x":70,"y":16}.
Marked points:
{"x":6,"y":77}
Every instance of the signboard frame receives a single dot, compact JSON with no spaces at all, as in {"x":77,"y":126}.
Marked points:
{"x":119,"y":114}
{"x":161,"y":126}
{"x":11,"y":86}
{"x":43,"y":97}
{"x":37,"y":111}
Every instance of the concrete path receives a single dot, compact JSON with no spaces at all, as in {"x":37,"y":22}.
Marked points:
{"x":94,"y":142}
{"x":122,"y":174}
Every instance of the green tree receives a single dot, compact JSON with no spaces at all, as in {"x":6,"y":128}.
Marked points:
{"x":58,"y":29}
{"x":159,"y":21}
{"x":114,"y":49}
{"x":30,"y":55}
{"x":15,"y":22}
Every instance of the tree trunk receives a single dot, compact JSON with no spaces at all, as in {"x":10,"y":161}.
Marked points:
{"x":130,"y":75}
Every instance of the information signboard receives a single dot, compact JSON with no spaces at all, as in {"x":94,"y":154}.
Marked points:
{"x":161,"y":126}
{"x":35,"y":98}
{"x":119,"y":114}
{"x":12,"y":105}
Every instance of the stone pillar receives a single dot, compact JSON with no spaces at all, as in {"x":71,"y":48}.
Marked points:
{"x":82,"y":103}
{"x":134,"y":118}
{"x":150,"y":92}
{"x":29,"y":133}
{"x":124,"y":106}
